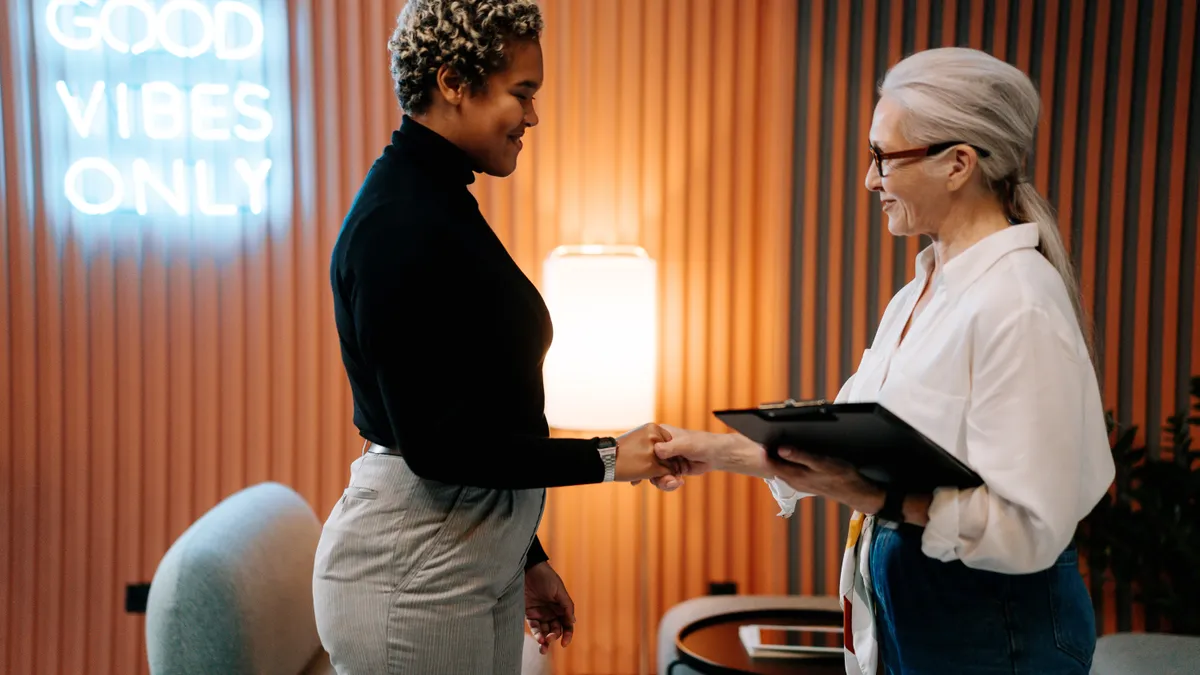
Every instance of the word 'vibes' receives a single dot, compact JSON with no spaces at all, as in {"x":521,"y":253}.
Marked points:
{"x":166,"y":145}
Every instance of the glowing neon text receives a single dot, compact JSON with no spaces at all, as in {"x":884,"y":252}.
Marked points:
{"x":166,"y":144}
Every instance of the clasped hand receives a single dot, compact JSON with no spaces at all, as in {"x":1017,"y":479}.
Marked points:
{"x":697,"y":452}
{"x":637,"y":461}
{"x":664,"y":455}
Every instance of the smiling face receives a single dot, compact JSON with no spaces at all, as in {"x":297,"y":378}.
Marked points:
{"x":493,"y":118}
{"x":915,"y":193}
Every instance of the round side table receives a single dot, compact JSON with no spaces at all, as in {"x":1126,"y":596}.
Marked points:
{"x":712,"y":646}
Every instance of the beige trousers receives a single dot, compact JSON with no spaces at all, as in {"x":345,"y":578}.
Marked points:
{"x":418,"y":577}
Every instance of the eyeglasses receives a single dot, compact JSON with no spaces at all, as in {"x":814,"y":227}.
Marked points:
{"x":878,"y":155}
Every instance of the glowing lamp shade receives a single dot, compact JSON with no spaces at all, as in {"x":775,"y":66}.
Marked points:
{"x":601,"y":370}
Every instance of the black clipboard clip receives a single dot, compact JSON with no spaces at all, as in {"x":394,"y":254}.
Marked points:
{"x":793,"y":403}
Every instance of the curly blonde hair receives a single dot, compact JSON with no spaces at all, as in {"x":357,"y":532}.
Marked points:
{"x":467,"y":35}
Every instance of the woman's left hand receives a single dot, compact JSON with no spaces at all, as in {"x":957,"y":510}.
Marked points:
{"x":549,"y":611}
{"x":827,"y":477}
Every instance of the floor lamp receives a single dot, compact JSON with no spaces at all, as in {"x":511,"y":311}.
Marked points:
{"x":601,"y":370}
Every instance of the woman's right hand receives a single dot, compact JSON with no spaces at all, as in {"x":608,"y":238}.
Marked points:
{"x":707,"y":451}
{"x":635,"y":455}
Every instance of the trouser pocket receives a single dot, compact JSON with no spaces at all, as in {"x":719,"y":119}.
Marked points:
{"x":1071,"y":610}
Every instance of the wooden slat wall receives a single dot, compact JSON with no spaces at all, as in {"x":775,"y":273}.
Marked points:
{"x":1116,"y":152}
{"x":141,"y":383}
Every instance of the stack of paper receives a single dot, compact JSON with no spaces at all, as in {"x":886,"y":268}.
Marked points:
{"x":791,"y":642}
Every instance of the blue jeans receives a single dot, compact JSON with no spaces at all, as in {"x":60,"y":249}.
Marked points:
{"x":936,"y":617}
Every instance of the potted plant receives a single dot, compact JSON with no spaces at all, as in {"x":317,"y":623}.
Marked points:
{"x":1145,"y":534}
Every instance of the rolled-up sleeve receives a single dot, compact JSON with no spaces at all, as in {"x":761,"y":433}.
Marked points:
{"x":1028,"y":435}
{"x":786,"y":496}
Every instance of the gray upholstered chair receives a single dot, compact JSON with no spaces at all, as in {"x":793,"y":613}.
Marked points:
{"x":233,"y":594}
{"x":1146,"y":654}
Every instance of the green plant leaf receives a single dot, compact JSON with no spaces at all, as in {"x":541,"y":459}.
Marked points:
{"x":1146,"y":533}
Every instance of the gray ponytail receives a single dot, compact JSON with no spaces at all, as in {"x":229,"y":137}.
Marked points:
{"x":1029,"y":206}
{"x":970,"y":96}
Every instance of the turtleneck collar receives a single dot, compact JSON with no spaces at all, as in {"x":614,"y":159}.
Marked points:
{"x":435,"y":151}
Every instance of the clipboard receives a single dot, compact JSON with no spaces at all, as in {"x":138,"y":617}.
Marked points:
{"x":883,"y":447}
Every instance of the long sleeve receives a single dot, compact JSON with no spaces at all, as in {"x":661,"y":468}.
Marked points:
{"x":413,"y":320}
{"x":1035,"y":433}
{"x":537,"y":554}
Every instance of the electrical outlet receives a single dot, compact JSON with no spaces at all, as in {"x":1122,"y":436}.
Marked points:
{"x":722,"y":588}
{"x":136,"y":596}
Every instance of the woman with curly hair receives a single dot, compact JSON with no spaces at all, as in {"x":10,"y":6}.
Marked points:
{"x":428,"y":559}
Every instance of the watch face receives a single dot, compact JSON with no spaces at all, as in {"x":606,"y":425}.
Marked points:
{"x":606,"y":443}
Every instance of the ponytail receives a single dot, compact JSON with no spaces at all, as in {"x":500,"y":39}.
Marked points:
{"x":1027,"y":206}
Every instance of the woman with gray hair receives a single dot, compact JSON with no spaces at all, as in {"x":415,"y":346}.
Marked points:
{"x":430,"y":558}
{"x":986,"y":352}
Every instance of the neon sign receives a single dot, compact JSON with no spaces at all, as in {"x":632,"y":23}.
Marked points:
{"x":175,"y":109}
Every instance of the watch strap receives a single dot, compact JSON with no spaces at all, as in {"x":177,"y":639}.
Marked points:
{"x":607,"y":447}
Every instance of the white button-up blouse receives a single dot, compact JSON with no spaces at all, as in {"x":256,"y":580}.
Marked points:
{"x":996,"y":371}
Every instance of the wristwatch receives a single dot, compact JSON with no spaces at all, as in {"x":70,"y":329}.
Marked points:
{"x":607,"y":447}
{"x":893,"y":506}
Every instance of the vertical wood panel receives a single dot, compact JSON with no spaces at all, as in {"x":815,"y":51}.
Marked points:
{"x":155,"y":412}
{"x":777,"y":20}
{"x":1000,"y":30}
{"x":745,"y":198}
{"x":1150,"y":186}
{"x":697,"y":230}
{"x":887,"y":255}
{"x":76,"y":584}
{"x":921,"y":40}
{"x":1114,"y":301}
{"x":1048,"y":51}
{"x":103,"y":457}
{"x":976,"y":15}
{"x":650,"y":77}
{"x":614,"y":550}
{"x":671,"y":261}
{"x":18,"y":435}
{"x":128,"y":480}
{"x":835,"y":272}
{"x":1172,"y":307}
{"x":1113,"y":154}
{"x":949,"y":23}
{"x":1094,"y":159}
{"x":1063,"y":192}
{"x":858,"y":160}
{"x":47,"y":518}
{"x":7,"y":220}
{"x":806,"y":297}
{"x":720,"y":205}
{"x":1024,"y":34}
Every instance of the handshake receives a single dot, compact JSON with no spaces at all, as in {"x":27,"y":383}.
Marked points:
{"x":664,"y":455}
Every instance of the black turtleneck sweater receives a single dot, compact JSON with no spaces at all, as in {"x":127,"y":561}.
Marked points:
{"x":442,"y":335}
